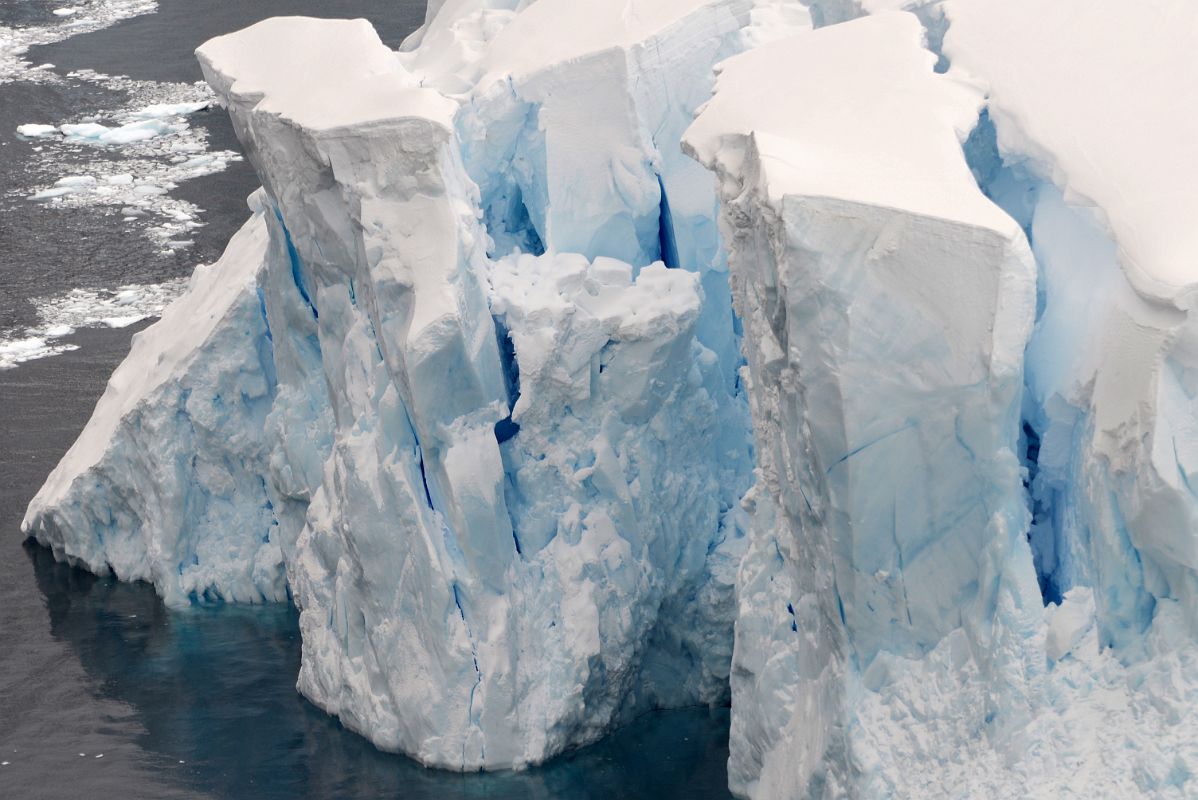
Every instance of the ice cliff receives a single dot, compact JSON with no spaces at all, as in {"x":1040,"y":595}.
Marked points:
{"x":583,"y":357}
{"x":892,"y":638}
{"x":503,"y":443}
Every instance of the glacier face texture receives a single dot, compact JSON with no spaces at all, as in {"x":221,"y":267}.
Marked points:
{"x":582,"y":358}
{"x":177,"y":436}
{"x":885,"y":312}
{"x":887,"y":643}
{"x":505,"y":443}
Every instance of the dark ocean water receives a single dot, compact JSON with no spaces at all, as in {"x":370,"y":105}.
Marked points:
{"x":103,"y":692}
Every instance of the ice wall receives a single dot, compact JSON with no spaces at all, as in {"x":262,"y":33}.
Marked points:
{"x":500,"y":454}
{"x":886,"y":305}
{"x":166,"y":482}
{"x":1104,"y":190}
{"x":514,"y":523}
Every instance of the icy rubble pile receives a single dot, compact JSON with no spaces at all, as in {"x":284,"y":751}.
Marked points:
{"x":474,"y":387}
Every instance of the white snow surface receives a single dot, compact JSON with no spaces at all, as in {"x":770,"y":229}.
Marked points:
{"x":897,"y":147}
{"x":1080,"y":126}
{"x":469,"y":388}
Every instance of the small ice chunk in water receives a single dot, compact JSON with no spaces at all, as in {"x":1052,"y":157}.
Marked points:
{"x":36,"y":131}
{"x":163,"y":110}
{"x":84,"y":130}
{"x":76,"y":180}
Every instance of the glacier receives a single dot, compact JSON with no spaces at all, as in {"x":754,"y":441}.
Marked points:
{"x":581,"y":358}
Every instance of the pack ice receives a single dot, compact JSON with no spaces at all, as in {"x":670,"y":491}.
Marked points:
{"x":548,"y":359}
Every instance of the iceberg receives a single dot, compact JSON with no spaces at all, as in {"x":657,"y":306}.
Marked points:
{"x":521,"y":462}
{"x":501,"y":458}
{"x":886,"y":304}
{"x":583,"y":358}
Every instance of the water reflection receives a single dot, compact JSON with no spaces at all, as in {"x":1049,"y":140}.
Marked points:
{"x":214,"y":687}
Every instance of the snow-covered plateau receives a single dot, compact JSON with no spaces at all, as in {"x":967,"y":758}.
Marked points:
{"x":587,"y":357}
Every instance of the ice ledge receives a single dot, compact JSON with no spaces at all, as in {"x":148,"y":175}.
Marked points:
{"x":301,"y":68}
{"x":897,"y":145}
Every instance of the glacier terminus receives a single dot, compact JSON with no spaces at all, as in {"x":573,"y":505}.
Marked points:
{"x":830,"y":359}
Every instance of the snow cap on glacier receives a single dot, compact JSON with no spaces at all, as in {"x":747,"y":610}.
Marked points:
{"x":595,"y":25}
{"x":300,"y":68}
{"x":893,"y":143}
{"x":1111,"y":133}
{"x":479,"y":42}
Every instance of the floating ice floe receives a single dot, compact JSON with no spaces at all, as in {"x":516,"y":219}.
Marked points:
{"x":82,"y":18}
{"x":158,"y":150}
{"x":62,"y":315}
{"x":35,"y":131}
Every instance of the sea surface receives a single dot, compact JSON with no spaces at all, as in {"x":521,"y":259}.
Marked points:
{"x":104,"y":693}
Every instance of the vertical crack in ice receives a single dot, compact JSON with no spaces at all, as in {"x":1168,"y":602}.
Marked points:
{"x":507,"y":428}
{"x":297,"y":273}
{"x":265,"y":317}
{"x":1185,"y":479}
{"x":898,"y":551}
{"x":1011,"y":191}
{"x":471,"y":716}
{"x":935,"y":25}
{"x":428,"y":495}
{"x":666,"y":239}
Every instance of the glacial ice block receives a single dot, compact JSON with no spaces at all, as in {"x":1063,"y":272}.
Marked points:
{"x":166,"y":482}
{"x":886,"y":305}
{"x":1098,"y":165}
{"x":499,"y":481}
{"x":572,"y":129}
